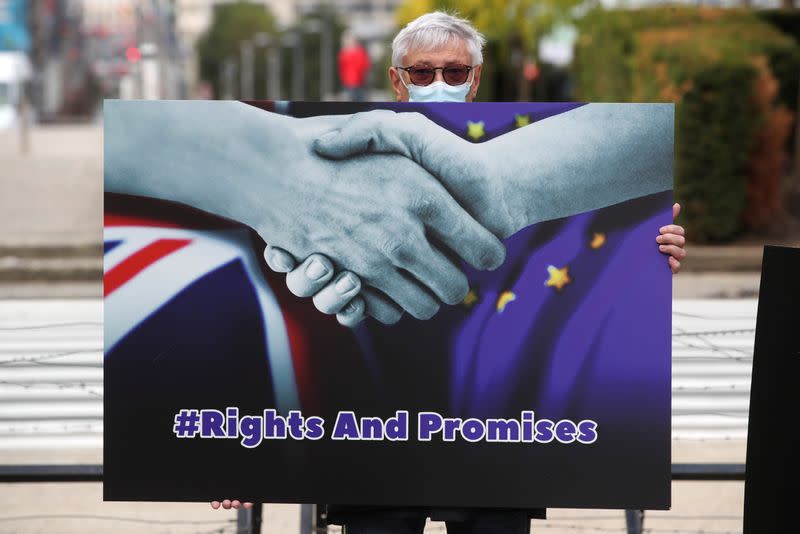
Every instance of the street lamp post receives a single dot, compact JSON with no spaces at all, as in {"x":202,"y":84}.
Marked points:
{"x":228,"y":77}
{"x":322,"y":28}
{"x":273,"y":63}
{"x":246,"y":74}
{"x":295,"y":40}
{"x":274,"y":72}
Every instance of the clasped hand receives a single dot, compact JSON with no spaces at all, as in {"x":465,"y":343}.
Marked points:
{"x":447,"y":198}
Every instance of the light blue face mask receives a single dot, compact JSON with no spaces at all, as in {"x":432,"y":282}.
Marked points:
{"x":438,"y":92}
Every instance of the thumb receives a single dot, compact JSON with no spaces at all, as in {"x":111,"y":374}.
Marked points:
{"x":676,"y":210}
{"x":340,"y":145}
{"x":365,"y":132}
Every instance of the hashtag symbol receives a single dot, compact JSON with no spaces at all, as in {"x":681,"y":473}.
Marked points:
{"x":187,"y":424}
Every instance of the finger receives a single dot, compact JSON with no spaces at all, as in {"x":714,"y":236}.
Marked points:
{"x":226,"y":504}
{"x":279,"y":260}
{"x":676,"y":210}
{"x":335,"y":296}
{"x":672,"y":229}
{"x":310,"y":276}
{"x":677,"y":252}
{"x":674,"y":265}
{"x":455,"y":228}
{"x":248,"y":505}
{"x":671,"y":239}
{"x":428,"y":265}
{"x":353,"y":313}
{"x":236,"y":504}
{"x":409,"y":134}
{"x":380,"y":307}
{"x":371,"y":131}
{"x":215,"y":505}
{"x":438,"y":273}
{"x":407,"y":293}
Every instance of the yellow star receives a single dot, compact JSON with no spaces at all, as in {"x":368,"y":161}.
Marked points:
{"x":504,"y":298}
{"x":558,"y":277}
{"x":470,"y":299}
{"x":475,"y":130}
{"x":598,"y":240}
{"x":522,"y":120}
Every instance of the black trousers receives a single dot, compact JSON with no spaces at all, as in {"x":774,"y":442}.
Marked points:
{"x":483,"y":522}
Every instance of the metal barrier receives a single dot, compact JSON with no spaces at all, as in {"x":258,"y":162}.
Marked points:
{"x":311,"y":518}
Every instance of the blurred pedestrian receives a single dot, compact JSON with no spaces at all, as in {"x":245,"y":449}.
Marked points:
{"x":354,"y":64}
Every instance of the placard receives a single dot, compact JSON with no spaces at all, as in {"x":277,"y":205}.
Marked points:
{"x":546,"y":384}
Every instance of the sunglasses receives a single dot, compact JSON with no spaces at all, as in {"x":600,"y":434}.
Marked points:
{"x":453,"y":74}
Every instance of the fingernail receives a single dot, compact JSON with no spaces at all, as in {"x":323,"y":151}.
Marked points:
{"x":662,"y":247}
{"x":345,"y":284}
{"x":662,"y":229}
{"x":280,"y":261}
{"x":328,"y":135}
{"x":659,"y":239}
{"x":316,"y":270}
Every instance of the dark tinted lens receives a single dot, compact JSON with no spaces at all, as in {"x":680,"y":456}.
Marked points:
{"x":421,"y":76}
{"x":455,"y":75}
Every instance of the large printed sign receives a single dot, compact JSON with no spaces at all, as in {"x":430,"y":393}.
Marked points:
{"x":544,"y":382}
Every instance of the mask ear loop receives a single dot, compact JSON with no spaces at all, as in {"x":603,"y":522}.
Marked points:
{"x":400,"y":73}
{"x":472,"y":70}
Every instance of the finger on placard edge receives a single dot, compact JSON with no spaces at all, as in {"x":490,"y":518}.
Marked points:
{"x":671,"y":239}
{"x":672,"y":229}
{"x":677,"y":252}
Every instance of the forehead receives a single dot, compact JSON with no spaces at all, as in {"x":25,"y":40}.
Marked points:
{"x":453,"y":51}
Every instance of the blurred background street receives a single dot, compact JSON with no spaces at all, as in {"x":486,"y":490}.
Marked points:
{"x":732,"y":67}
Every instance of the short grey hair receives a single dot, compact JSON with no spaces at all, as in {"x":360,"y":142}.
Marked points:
{"x":433,"y":30}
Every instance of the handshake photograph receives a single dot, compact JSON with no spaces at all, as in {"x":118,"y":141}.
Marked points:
{"x":310,"y":290}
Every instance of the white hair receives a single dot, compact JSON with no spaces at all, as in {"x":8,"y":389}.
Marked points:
{"x":434,"y":30}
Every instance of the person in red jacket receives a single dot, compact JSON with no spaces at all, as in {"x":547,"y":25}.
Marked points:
{"x":354,"y":65}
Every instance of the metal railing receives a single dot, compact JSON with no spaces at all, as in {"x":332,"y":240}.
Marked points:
{"x":311,"y":521}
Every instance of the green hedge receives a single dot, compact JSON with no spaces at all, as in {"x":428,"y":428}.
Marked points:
{"x":707,"y":62}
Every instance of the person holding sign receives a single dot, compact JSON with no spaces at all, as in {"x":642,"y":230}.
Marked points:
{"x":565,"y":165}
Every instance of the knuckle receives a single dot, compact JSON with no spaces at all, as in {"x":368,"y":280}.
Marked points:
{"x":423,"y":204}
{"x":399,"y":248}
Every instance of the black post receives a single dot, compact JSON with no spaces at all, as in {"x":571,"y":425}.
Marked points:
{"x":321,"y":519}
{"x":249,"y":521}
{"x":634,"y":521}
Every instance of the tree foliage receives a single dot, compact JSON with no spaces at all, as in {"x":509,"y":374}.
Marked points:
{"x":232,"y":23}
